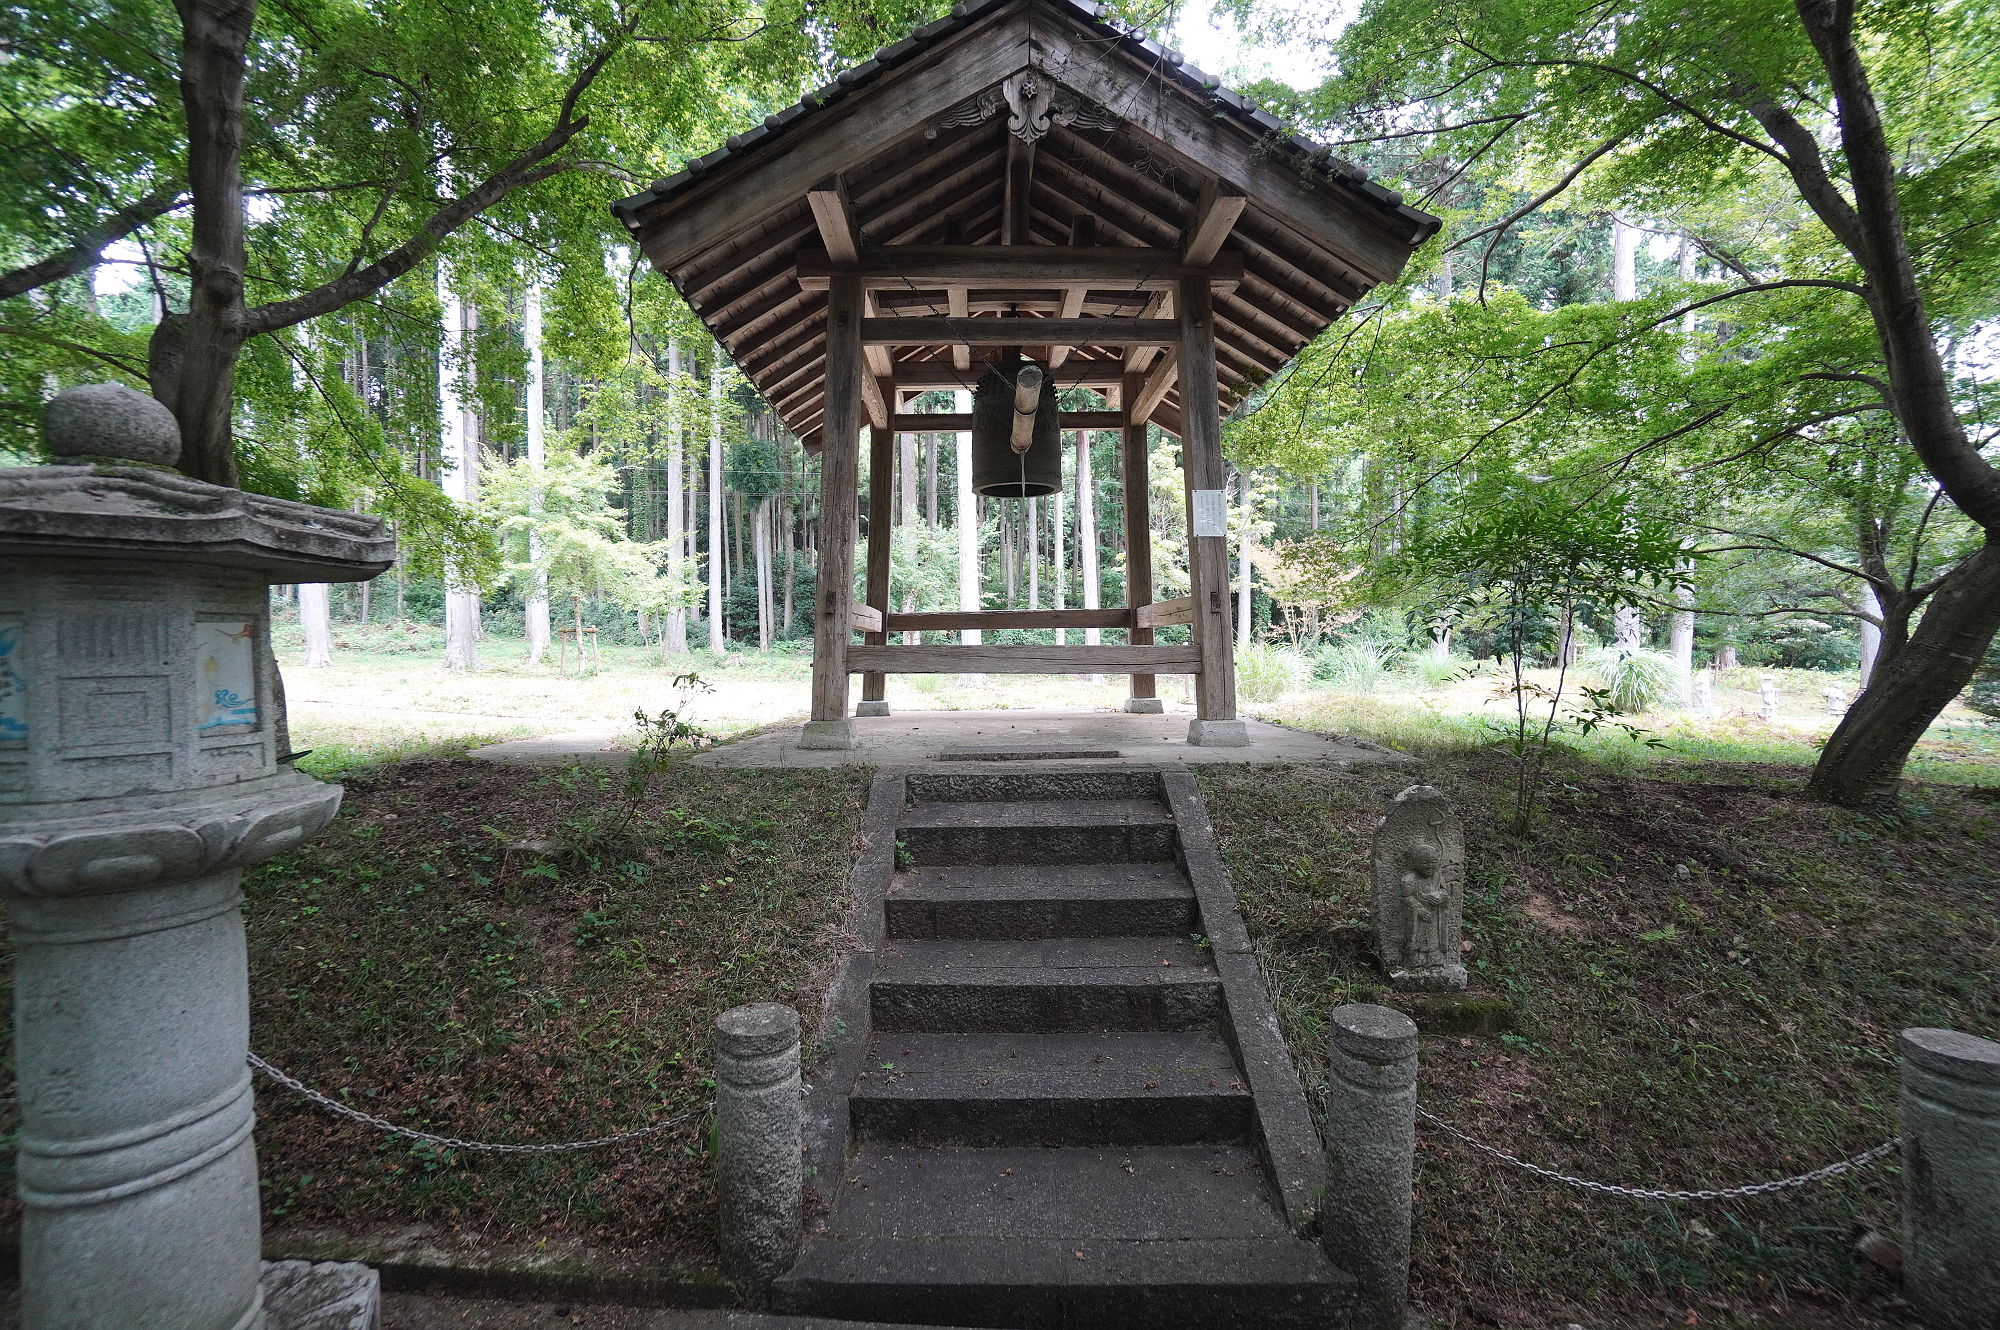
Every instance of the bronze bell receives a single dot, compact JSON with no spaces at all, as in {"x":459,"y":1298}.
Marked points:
{"x":1000,"y":415}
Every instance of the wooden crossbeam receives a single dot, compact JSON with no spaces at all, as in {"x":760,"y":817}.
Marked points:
{"x":950,"y":422}
{"x":952,"y":621}
{"x":1164,"y":613}
{"x":984,"y":659}
{"x":1007,"y":331}
{"x":1152,"y":389}
{"x":864,"y":619}
{"x":1124,"y":268}
{"x":922,"y":376}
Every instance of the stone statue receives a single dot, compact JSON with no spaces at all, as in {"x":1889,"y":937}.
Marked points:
{"x":1704,"y":692}
{"x":1420,"y":890}
{"x":1767,"y":697}
{"x":1835,"y":698}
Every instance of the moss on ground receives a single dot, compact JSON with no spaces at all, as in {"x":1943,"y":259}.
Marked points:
{"x":1707,"y":975}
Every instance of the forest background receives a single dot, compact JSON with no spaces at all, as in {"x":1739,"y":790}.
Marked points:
{"x":1698,"y":373}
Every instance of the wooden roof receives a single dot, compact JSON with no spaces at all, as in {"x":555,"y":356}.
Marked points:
{"x":1021,"y":122}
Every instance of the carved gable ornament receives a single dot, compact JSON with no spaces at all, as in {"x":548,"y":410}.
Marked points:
{"x":1033,"y":102}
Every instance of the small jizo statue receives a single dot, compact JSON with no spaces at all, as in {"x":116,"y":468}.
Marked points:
{"x":1704,"y":692}
{"x":1835,"y":698}
{"x":1767,"y":697}
{"x":1420,"y":890}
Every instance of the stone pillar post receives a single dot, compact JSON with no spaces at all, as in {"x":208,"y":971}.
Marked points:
{"x":1372,"y":1119}
{"x":1951,"y":1178}
{"x":759,"y":1139}
{"x":139,"y":775}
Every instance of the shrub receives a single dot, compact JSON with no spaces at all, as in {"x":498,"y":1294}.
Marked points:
{"x":1433,"y":670}
{"x":1264,"y":672}
{"x":1356,"y":666}
{"x":1636,"y":680}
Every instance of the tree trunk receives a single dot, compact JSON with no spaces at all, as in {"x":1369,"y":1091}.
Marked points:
{"x":316,"y":616}
{"x":760,"y":542}
{"x":1243,"y":595}
{"x":906,"y":475}
{"x":1086,"y":533}
{"x":1624,"y":260}
{"x":930,"y":480}
{"x":1680,"y":640}
{"x":459,"y":453}
{"x":1862,"y":763}
{"x":675,"y":640}
{"x":537,"y":617}
{"x":1871,"y":632}
{"x":718,"y":541}
{"x":1059,"y":573}
{"x":1031,"y":521}
{"x":1628,"y":628}
{"x":193,"y":359}
{"x":968,"y":524}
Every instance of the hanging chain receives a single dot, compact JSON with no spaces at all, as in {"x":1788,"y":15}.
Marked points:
{"x":1821,"y":1174}
{"x":452,"y":1142}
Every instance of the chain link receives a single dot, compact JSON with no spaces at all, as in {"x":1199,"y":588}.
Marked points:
{"x":1862,"y":1160}
{"x":452,"y":1142}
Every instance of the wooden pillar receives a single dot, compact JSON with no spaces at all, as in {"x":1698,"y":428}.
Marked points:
{"x":1215,"y":723}
{"x":839,"y":474}
{"x":1145,"y":698}
{"x":881,"y":520}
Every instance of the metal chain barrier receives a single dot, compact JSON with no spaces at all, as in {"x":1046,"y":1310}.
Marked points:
{"x":452,"y":1142}
{"x":1821,"y":1174}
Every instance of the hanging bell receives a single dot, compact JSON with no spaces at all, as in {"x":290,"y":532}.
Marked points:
{"x":1016,"y":431}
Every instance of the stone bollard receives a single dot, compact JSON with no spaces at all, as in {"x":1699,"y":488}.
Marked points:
{"x":759,"y":1139}
{"x":139,"y":776}
{"x":1951,"y":1178}
{"x":1371,"y":1108}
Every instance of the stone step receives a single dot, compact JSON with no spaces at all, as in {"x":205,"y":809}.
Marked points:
{"x":1049,"y":985}
{"x":1144,"y":1236}
{"x":1122,"y":1088}
{"x":1050,"y":831}
{"x":1059,"y":900}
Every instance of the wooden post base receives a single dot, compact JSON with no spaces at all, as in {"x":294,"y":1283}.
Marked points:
{"x":828,"y":735}
{"x":1218,"y":734}
{"x":1145,"y":706}
{"x":872,"y":706}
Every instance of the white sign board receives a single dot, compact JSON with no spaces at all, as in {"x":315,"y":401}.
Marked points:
{"x":1211,"y":513}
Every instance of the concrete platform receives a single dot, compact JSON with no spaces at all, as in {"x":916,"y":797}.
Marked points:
{"x":980,"y":739}
{"x":989,"y":738}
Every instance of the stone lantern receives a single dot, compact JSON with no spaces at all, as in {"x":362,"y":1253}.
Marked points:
{"x":141,"y":772}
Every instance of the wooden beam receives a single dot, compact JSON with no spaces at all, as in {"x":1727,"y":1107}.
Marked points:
{"x":1163,"y":613}
{"x":1201,"y":464}
{"x":864,"y":619}
{"x":835,"y":216}
{"x":1215,"y":214}
{"x":1150,"y":391}
{"x":952,"y":621}
{"x":1139,"y":359}
{"x":1020,"y":189}
{"x":925,"y":375}
{"x":1006,"y":331}
{"x":1082,"y":232}
{"x":1024,"y":659}
{"x":839,"y":482}
{"x":915,"y":422}
{"x":1122,"y":268}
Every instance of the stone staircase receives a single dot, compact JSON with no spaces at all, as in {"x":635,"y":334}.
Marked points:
{"x":1058,"y":1097}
